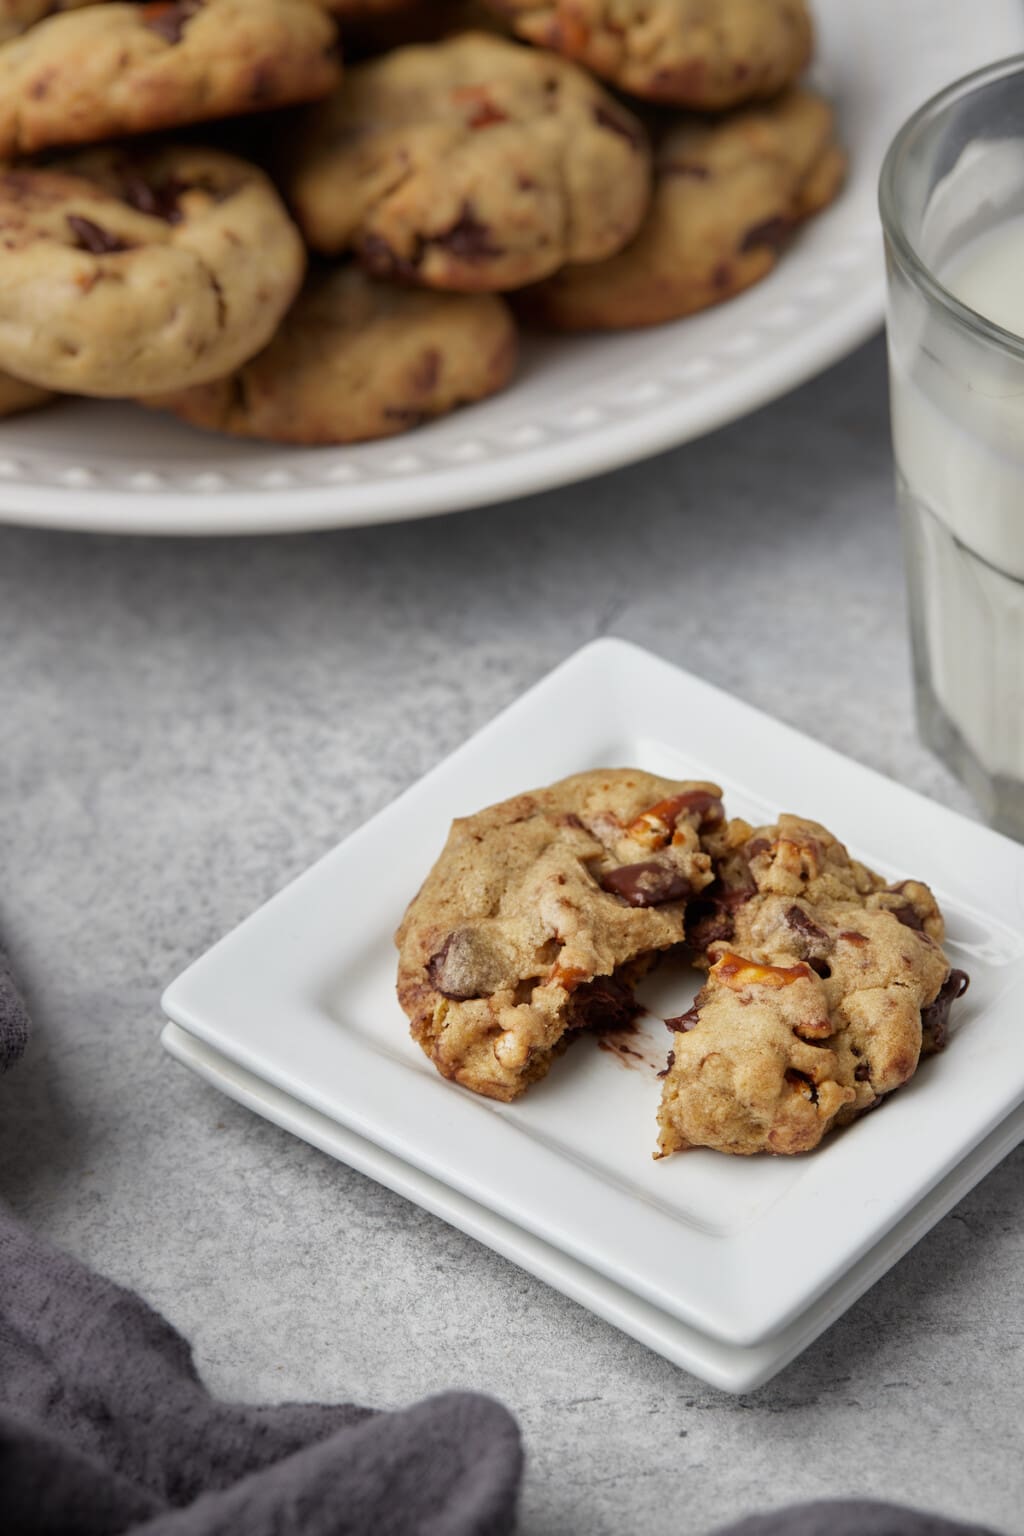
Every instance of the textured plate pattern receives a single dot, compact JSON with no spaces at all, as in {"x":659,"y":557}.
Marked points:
{"x":581,"y":405}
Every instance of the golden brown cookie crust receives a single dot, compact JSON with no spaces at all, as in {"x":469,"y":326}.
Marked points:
{"x":702,"y":54}
{"x":534,"y":917}
{"x":727,"y":196}
{"x":130,"y":272}
{"x":16,"y":16}
{"x":470,"y":164}
{"x":824,"y":984}
{"x":356,"y":359}
{"x":16,"y":396}
{"x":117,"y":70}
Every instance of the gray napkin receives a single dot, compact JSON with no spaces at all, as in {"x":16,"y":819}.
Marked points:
{"x":106,"y":1430}
{"x":13,"y":1017}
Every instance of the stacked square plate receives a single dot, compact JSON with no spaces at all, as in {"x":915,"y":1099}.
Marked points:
{"x":727,"y":1266}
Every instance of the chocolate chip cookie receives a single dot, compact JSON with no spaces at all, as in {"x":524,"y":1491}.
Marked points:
{"x":128,"y":273}
{"x":540,"y":912}
{"x":358,"y":359}
{"x":704,"y":54}
{"x":16,"y":16}
{"x":727,"y":196}
{"x":470,"y":164}
{"x":117,"y":69}
{"x":824,"y":986}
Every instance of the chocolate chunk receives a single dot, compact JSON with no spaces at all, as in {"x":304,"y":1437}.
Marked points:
{"x":160,"y":202}
{"x":669,"y":1064}
{"x":624,"y":127}
{"x":799,"y":921}
{"x":683,"y":1021}
{"x":427,"y":371}
{"x":862,"y":1072}
{"x":381,"y":260}
{"x":465,"y":966}
{"x":708,"y":922}
{"x":908,"y":917}
{"x":90,"y":237}
{"x":604,"y":1003}
{"x":771,"y":232}
{"x":707,"y":806}
{"x":169,"y":18}
{"x":820,"y":968}
{"x":935,"y":1018}
{"x":647,"y":884}
{"x":469,"y":238}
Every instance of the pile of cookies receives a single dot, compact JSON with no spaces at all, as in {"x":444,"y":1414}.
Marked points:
{"x":824,"y":985}
{"x":360,"y":266}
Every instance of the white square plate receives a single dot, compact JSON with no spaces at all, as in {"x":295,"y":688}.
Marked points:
{"x":731,"y":1367}
{"x":302,"y":995}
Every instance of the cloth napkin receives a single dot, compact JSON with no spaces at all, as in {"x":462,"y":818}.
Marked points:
{"x":106,"y":1429}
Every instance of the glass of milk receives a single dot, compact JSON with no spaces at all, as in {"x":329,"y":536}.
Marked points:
{"x":952,"y":201}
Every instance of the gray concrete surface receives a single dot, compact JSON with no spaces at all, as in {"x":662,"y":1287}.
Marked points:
{"x":186,"y":726}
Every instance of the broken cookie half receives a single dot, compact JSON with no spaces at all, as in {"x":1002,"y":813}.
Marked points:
{"x":540,"y":914}
{"x":824,"y":988}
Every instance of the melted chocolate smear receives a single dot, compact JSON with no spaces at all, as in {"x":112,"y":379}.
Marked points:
{"x":646,"y":885}
{"x":935,"y":1018}
{"x":709,"y":919}
{"x":708,"y":923}
{"x":683,"y":1021}
{"x":670,"y":1063}
{"x":94,"y":239}
{"x":604,"y":1003}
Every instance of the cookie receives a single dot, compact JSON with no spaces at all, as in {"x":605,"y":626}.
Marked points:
{"x":17,"y":396}
{"x":703,"y":54}
{"x":539,"y":913}
{"x":125,"y":274}
{"x":116,"y":70}
{"x":727,"y":196}
{"x":16,"y":16}
{"x":357,"y":359}
{"x":470,"y":164}
{"x":824,"y":986}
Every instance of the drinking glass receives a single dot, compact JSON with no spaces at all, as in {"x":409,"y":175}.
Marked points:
{"x":953,"y":185}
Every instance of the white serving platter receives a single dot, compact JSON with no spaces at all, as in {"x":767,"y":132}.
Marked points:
{"x":580,"y":405}
{"x":302,"y":996}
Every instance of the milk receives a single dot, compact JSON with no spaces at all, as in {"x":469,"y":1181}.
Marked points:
{"x":958,"y":435}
